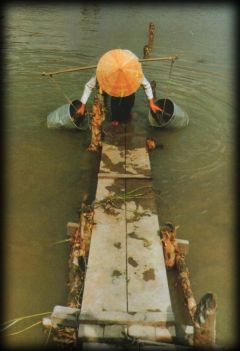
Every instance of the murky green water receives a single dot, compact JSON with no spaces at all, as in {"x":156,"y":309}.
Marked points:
{"x":48,"y":172}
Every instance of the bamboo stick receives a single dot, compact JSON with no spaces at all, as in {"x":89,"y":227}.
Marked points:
{"x":168,"y":58}
{"x":68,"y":70}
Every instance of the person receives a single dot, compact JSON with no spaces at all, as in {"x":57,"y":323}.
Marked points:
{"x":120,"y":106}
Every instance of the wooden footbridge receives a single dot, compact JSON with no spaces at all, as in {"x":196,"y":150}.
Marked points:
{"x":125,"y":294}
{"x":126,"y":290}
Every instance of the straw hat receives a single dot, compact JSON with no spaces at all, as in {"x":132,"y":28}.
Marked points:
{"x":119,"y":73}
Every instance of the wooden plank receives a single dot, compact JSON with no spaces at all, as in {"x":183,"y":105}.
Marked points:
{"x":137,"y":162}
{"x":118,"y":333}
{"x":143,"y":332}
{"x":165,"y":334}
{"x":105,"y":282}
{"x":126,"y":282}
{"x":123,"y":175}
{"x":114,"y":332}
{"x":64,"y":316}
{"x":118,"y":160}
{"x":90,"y":332}
{"x":125,"y":318}
{"x":183,"y":246}
{"x":137,"y":158}
{"x":147,"y":279}
{"x":112,"y":159}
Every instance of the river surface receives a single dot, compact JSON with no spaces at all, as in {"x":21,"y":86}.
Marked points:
{"x":47,"y":172}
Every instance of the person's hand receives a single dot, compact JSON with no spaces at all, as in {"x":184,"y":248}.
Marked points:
{"x":81,"y":110}
{"x":154,"y":107}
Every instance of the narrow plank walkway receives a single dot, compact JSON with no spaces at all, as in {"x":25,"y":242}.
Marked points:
{"x":126,"y":289}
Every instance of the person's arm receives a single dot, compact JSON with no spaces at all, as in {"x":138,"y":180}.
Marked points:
{"x":148,"y":91}
{"x":89,"y":86}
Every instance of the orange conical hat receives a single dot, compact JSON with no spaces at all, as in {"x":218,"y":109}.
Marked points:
{"x":119,"y":73}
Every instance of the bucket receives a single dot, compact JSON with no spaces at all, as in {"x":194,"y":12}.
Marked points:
{"x":173,"y":116}
{"x":66,"y":117}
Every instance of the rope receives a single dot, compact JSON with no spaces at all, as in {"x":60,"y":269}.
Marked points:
{"x":53,"y":80}
{"x":48,"y":336}
{"x":167,"y":89}
{"x":23,"y":330}
{"x":57,"y":85}
{"x":19,"y":319}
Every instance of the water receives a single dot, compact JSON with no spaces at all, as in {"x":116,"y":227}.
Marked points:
{"x":48,"y":172}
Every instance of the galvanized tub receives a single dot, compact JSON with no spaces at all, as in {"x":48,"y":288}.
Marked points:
{"x":173,"y":116}
{"x":66,"y":117}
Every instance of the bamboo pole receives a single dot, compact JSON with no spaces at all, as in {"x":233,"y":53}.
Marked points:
{"x":83,"y":68}
{"x":168,"y":58}
{"x":68,"y":70}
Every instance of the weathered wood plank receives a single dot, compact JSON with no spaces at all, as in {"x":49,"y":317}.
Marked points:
{"x":90,"y":332}
{"x":147,"y":280}
{"x":123,"y":175}
{"x":66,"y":316}
{"x":125,"y":318}
{"x":112,"y":159}
{"x":95,"y":332}
{"x":118,"y":160}
{"x":165,"y":334}
{"x":183,"y":246}
{"x":144,"y":332}
{"x":105,"y":283}
{"x":114,"y":332}
{"x":126,"y":283}
{"x":137,"y":162}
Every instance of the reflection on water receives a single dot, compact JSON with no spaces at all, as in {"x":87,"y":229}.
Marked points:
{"x":48,"y":172}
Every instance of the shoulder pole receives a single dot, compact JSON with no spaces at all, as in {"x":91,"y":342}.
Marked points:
{"x":83,"y":68}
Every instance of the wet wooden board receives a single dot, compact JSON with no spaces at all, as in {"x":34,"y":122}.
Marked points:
{"x":137,"y":162}
{"x":126,"y":285}
{"x":112,"y":159}
{"x":118,"y":333}
{"x":118,"y":160}
{"x":105,"y":283}
{"x":147,"y":279}
{"x":128,"y":318}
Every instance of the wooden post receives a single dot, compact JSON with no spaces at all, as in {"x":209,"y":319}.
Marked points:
{"x":184,"y":283}
{"x":168,"y":238}
{"x":146,"y":51}
{"x":76,"y":269}
{"x":80,"y":241}
{"x":205,"y":321}
{"x":203,"y":314}
{"x":62,"y":325}
{"x":98,"y":116}
{"x":151,"y":34}
{"x":148,"y":48}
